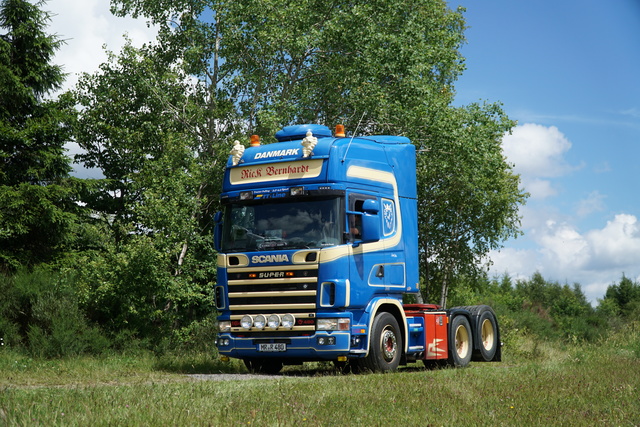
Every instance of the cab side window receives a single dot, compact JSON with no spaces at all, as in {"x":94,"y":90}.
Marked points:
{"x":354,"y":215}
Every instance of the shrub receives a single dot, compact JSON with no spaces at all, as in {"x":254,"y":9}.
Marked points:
{"x":40,"y":311}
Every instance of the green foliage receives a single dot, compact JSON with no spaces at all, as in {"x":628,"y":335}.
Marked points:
{"x":535,"y":309}
{"x":150,"y":274}
{"x":37,"y":198}
{"x":624,"y":298}
{"x":468,"y":194}
{"x":40,"y":311}
{"x":378,"y":63}
{"x":135,"y":295}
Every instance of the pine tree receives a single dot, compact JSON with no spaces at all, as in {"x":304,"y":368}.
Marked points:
{"x":35,"y":196}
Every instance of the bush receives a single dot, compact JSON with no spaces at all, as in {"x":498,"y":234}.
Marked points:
{"x":134,"y":295}
{"x":40,"y":311}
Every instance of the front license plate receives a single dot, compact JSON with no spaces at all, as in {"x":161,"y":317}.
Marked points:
{"x":272,"y":347}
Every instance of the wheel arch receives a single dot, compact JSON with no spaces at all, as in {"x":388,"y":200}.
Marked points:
{"x":393,"y":307}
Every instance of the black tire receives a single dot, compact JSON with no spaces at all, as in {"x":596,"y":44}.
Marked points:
{"x":486,"y":333}
{"x":263,"y":366}
{"x":487,"y":336}
{"x":460,"y":342}
{"x":386,"y":345}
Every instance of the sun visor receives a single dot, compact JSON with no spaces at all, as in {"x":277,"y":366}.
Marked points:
{"x":294,"y":133}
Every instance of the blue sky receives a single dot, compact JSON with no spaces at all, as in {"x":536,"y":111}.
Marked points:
{"x":568,"y":71}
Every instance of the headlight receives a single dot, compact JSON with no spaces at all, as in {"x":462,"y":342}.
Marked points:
{"x":224,"y":325}
{"x":333,"y":324}
{"x":259,"y":321}
{"x":246,"y":322}
{"x":288,"y":321}
{"x":274,"y":321}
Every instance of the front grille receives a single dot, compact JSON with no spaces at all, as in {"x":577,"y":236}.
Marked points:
{"x":273,"y":290}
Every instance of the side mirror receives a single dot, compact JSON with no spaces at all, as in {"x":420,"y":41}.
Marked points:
{"x":371,"y":230}
{"x":217,"y":231}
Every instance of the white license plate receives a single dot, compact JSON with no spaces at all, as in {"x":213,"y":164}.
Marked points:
{"x":272,"y":347}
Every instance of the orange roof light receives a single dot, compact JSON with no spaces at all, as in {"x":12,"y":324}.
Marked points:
{"x":255,"y":140}
{"x":340,"y":131}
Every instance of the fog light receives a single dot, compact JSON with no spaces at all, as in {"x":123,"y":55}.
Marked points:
{"x":326,"y":340}
{"x":259,"y":321}
{"x":246,"y":322}
{"x":274,"y":321}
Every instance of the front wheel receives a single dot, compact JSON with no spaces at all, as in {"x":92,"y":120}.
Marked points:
{"x":386,"y":345}
{"x":460,"y":342}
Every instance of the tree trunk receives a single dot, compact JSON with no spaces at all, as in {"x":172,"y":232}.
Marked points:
{"x":194,"y":217}
{"x":445,"y":290}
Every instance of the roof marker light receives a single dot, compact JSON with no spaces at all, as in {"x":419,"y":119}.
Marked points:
{"x":340,"y":131}
{"x":255,"y":140}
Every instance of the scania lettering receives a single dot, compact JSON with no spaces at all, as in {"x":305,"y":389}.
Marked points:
{"x":317,"y":246}
{"x":260,"y":259}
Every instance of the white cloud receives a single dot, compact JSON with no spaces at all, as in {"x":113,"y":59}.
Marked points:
{"x":564,"y":244}
{"x":617,"y":245}
{"x":537,"y":153}
{"x":539,"y":188}
{"x":517,"y":263}
{"x":537,"y":150}
{"x":595,"y":259}
{"x":87,"y":26}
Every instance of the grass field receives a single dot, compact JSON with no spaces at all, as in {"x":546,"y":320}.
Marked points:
{"x":575,"y":385}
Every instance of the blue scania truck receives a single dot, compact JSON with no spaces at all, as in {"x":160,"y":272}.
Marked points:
{"x":317,"y":244}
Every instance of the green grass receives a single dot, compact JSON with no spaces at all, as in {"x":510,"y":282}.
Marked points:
{"x":551,"y":385}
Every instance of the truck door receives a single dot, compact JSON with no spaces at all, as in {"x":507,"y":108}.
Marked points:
{"x":367,"y":263}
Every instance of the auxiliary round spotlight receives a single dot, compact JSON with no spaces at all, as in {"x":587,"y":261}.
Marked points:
{"x":273,"y":321}
{"x":246,"y":322}
{"x":259,"y":321}
{"x":288,"y":321}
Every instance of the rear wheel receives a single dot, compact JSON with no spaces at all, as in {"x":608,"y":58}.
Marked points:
{"x":263,"y":366}
{"x":386,"y":345}
{"x":487,"y":336}
{"x":460,"y":342}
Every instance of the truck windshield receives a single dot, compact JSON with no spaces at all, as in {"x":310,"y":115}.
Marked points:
{"x":272,"y":225}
